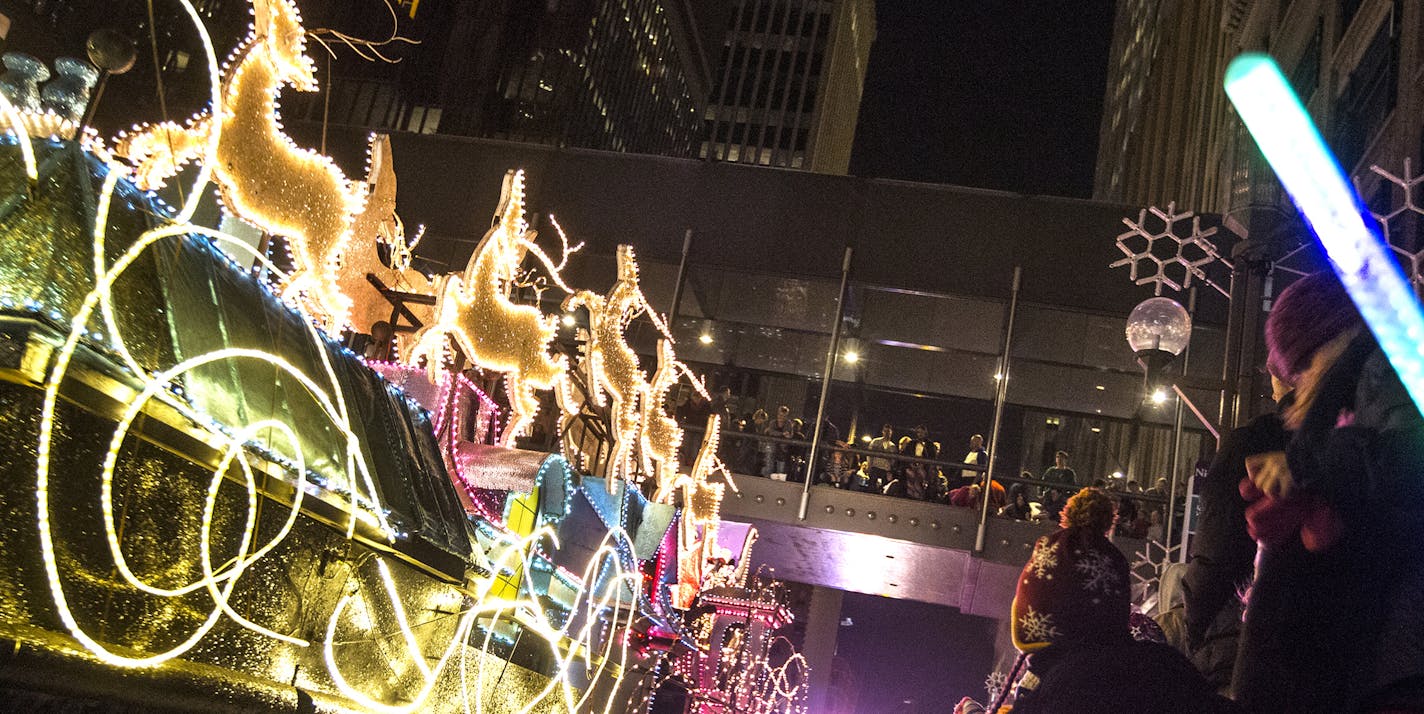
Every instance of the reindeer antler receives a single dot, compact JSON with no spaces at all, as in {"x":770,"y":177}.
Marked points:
{"x":363,"y":46}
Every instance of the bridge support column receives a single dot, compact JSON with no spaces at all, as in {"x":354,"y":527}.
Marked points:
{"x":823,"y":622}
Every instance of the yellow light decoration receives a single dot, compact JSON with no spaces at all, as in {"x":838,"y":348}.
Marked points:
{"x":45,"y":123}
{"x":219,"y":583}
{"x":17,"y":124}
{"x":264,"y":177}
{"x":701,"y":506}
{"x":475,"y":311}
{"x":301,"y":195}
{"x":567,"y":647}
{"x":376,"y":225}
{"x":159,"y":151}
{"x":661,"y":437}
{"x":610,"y":365}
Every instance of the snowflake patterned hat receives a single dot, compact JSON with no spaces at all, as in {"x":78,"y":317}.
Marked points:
{"x":1074,"y":588}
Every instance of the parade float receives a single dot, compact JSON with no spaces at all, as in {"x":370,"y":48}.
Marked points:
{"x":212,"y":502}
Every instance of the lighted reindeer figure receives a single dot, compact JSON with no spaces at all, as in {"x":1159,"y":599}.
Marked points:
{"x":660,"y":436}
{"x":611,"y":365}
{"x":264,"y":177}
{"x":375,"y":226}
{"x":475,"y":311}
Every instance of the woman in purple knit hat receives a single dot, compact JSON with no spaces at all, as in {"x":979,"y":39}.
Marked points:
{"x":1335,"y":616}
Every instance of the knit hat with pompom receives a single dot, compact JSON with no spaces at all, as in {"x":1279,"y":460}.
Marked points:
{"x":1074,"y":587}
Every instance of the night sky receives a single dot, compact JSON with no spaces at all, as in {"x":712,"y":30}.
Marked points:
{"x":1002,"y":95}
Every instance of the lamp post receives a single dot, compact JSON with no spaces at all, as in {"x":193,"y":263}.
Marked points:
{"x":1158,"y":330}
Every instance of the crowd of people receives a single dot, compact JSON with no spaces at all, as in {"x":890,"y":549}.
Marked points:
{"x":1303,"y":592}
{"x":777,"y":445}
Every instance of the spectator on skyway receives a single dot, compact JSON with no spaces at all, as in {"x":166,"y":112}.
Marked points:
{"x":782,"y":427}
{"x":862,"y":481}
{"x":1051,"y":506}
{"x":880,"y":466}
{"x":1127,"y":514}
{"x":919,"y":445}
{"x":724,"y":404}
{"x":1155,"y":530}
{"x":918,"y":480}
{"x":911,"y":482}
{"x":1060,"y":474}
{"x":976,"y":456}
{"x":765,"y":449}
{"x":796,"y":453}
{"x":839,"y":470}
{"x":694,"y":410}
{"x":1159,"y":489}
{"x":968,"y":496}
{"x":1019,"y":508}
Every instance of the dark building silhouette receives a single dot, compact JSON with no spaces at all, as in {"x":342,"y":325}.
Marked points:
{"x":620,"y":75}
{"x":602,"y":74}
{"x":788,"y":83}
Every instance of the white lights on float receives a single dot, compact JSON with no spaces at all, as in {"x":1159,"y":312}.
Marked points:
{"x":476,"y":313}
{"x":285,"y":190}
{"x":570,"y":648}
{"x":264,"y":177}
{"x":22,"y":137}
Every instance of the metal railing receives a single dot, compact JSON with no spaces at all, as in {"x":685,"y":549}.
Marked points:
{"x":734,"y":444}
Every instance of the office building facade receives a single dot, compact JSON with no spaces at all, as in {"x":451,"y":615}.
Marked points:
{"x":788,"y":83}
{"x":619,"y":75}
{"x":1168,"y":134}
{"x":1164,"y":111}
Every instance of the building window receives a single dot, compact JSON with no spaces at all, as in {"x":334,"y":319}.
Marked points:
{"x":1370,"y":95}
{"x":1348,"y":10}
{"x":1306,"y":75}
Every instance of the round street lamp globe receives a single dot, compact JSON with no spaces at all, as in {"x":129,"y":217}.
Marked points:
{"x":1159,"y":324}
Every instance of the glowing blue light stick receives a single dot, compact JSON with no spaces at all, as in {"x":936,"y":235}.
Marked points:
{"x":1292,"y":145}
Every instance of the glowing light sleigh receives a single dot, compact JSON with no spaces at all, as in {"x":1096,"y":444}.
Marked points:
{"x":258,"y":506}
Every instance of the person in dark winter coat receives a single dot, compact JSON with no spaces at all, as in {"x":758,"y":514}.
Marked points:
{"x":1018,"y":508}
{"x":1223,"y":552}
{"x":1334,"y":620}
{"x":1071,"y":619}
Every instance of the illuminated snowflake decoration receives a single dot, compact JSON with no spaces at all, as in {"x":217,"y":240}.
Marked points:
{"x":1037,"y":626}
{"x":1044,"y":559}
{"x":1146,"y":570}
{"x":1098,"y":573}
{"x":994,"y":684}
{"x":1174,"y":259}
{"x":1403,"y":225}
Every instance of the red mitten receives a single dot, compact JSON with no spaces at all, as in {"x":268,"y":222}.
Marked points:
{"x":1321,"y":525}
{"x":1273,"y":521}
{"x":1248,"y":490}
